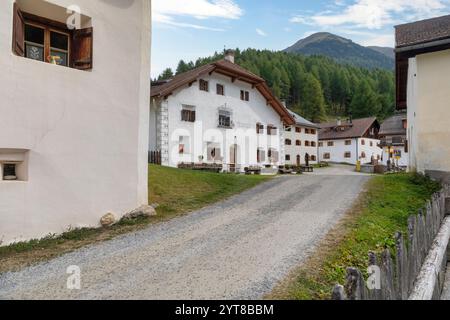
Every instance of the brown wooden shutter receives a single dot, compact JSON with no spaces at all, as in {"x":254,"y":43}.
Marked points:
{"x":18,"y":32}
{"x":82,"y":49}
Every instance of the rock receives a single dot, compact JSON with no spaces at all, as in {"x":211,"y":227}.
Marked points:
{"x":144,"y":211}
{"x":108,"y":220}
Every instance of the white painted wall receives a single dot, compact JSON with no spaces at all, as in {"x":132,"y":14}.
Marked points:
{"x":86,"y":131}
{"x":294,"y":150}
{"x":337,"y":152}
{"x":428,"y":112}
{"x":207,"y":104}
{"x":402,"y":162}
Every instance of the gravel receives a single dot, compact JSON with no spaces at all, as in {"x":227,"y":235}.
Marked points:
{"x":237,"y":249}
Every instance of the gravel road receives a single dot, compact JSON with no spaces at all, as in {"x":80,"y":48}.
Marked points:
{"x":237,"y":249}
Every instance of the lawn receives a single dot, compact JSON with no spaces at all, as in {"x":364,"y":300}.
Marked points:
{"x":370,"y":226}
{"x":176,"y":192}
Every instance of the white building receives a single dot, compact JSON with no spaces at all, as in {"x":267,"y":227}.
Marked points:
{"x":73,"y":136}
{"x":423,"y":88}
{"x":218,"y":113}
{"x":393,"y":140}
{"x":301,"y":139}
{"x":350,"y":141}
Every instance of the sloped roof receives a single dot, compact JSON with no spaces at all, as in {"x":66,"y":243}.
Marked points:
{"x":227,"y":68}
{"x":422,"y":31}
{"x":302,"y":121}
{"x":393,"y":125}
{"x":357,"y":128}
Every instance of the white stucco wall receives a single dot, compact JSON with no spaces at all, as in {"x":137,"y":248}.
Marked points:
{"x":294,"y":150}
{"x":86,"y":131}
{"x":428,"y":110}
{"x":402,"y":162}
{"x":245,"y":116}
{"x":337,"y":152}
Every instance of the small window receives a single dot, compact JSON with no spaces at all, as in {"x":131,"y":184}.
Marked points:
{"x":363,"y":142}
{"x":288,"y":157}
{"x":313,"y":158}
{"x":313,"y":143}
{"x":288,"y":142}
{"x":327,"y":156}
{"x":271,"y":130}
{"x":363,"y":155}
{"x":298,"y":129}
{"x":9,"y":172}
{"x":225,"y":119}
{"x":307,"y":131}
{"x":348,"y":155}
{"x":245,"y":95}
{"x":261,"y":155}
{"x":188,"y":114}
{"x":220,"y":90}
{"x":273,"y":155}
{"x":330,"y":143}
{"x":313,"y":131}
{"x":259,"y":128}
{"x":298,"y":143}
{"x":204,"y":85}
{"x":371,"y":143}
{"x":307,"y":144}
{"x":348,"y":142}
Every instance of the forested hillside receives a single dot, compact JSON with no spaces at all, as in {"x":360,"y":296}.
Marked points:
{"x":317,"y":87}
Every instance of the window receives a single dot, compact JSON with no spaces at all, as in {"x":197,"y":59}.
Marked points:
{"x":225,"y":119}
{"x":288,"y":128}
{"x":307,"y":144}
{"x":313,"y":143}
{"x":204,"y":85}
{"x":220,"y":89}
{"x":371,"y":143}
{"x":330,"y":144}
{"x":50,"y":41}
{"x":9,"y":172}
{"x":348,"y":155}
{"x":183,"y":145}
{"x":363,"y":142}
{"x":298,"y":143}
{"x":313,"y":158}
{"x":188,"y":114}
{"x":288,"y":157}
{"x":261,"y":155}
{"x":307,"y":131}
{"x":313,"y":131}
{"x":288,"y":142}
{"x":320,"y":144}
{"x":348,"y":142}
{"x":363,"y":155}
{"x":271,"y":130}
{"x":273,"y":155}
{"x":245,"y":95}
{"x":298,"y":129}
{"x":405,"y":124}
{"x":327,"y":156}
{"x":259,"y":128}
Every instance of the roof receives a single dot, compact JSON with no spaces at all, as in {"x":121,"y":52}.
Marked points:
{"x":356,"y":129}
{"x":393,"y":125}
{"x":421,"y":32}
{"x":227,"y":68}
{"x":299,"y":120}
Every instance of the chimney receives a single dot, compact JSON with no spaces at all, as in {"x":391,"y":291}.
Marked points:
{"x":229,"y":55}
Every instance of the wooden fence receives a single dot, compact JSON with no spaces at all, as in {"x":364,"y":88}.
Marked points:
{"x":399,"y":271}
{"x":154,"y":157}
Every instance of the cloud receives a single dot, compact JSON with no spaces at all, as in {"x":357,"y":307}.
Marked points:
{"x":170,"y":11}
{"x":381,"y":40}
{"x":261,"y":33}
{"x":375,"y":14}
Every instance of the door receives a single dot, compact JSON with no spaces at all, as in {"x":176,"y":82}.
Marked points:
{"x":298,"y":160}
{"x":233,"y":157}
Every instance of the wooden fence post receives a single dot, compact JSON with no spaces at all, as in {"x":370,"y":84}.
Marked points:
{"x":355,"y":286}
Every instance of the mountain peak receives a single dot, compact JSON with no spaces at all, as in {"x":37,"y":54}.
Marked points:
{"x":342,"y":50}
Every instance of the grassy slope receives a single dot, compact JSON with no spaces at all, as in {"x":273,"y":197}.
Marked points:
{"x":381,"y":212}
{"x":176,"y":191}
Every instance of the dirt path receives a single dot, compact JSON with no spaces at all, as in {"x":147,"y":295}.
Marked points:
{"x":237,"y":249}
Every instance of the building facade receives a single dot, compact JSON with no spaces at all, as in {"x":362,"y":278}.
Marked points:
{"x":350,"y":141}
{"x":393,"y":141}
{"x":218,"y":114}
{"x":301,"y":141}
{"x":423,"y":77}
{"x":74,"y":106}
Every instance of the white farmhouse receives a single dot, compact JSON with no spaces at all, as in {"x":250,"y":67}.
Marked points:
{"x":220,"y":114}
{"x":301,"y":141}
{"x":350,"y":141}
{"x":74,"y":113}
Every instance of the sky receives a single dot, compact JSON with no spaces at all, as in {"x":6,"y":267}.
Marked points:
{"x":189,"y":29}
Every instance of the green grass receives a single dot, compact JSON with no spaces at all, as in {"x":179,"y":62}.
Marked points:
{"x":382,"y":211}
{"x":177,"y":192}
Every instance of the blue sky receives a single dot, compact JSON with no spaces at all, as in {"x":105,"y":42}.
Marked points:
{"x":188,"y":29}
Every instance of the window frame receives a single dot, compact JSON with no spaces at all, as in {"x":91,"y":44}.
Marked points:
{"x":347,"y":155}
{"x":203,"y":85}
{"x":220,"y":92}
{"x":327,"y":156}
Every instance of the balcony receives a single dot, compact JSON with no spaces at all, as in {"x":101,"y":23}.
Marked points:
{"x":392,"y":141}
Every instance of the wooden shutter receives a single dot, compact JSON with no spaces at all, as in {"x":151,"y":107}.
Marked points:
{"x":18,"y":32}
{"x":402,"y":67}
{"x":82,"y":49}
